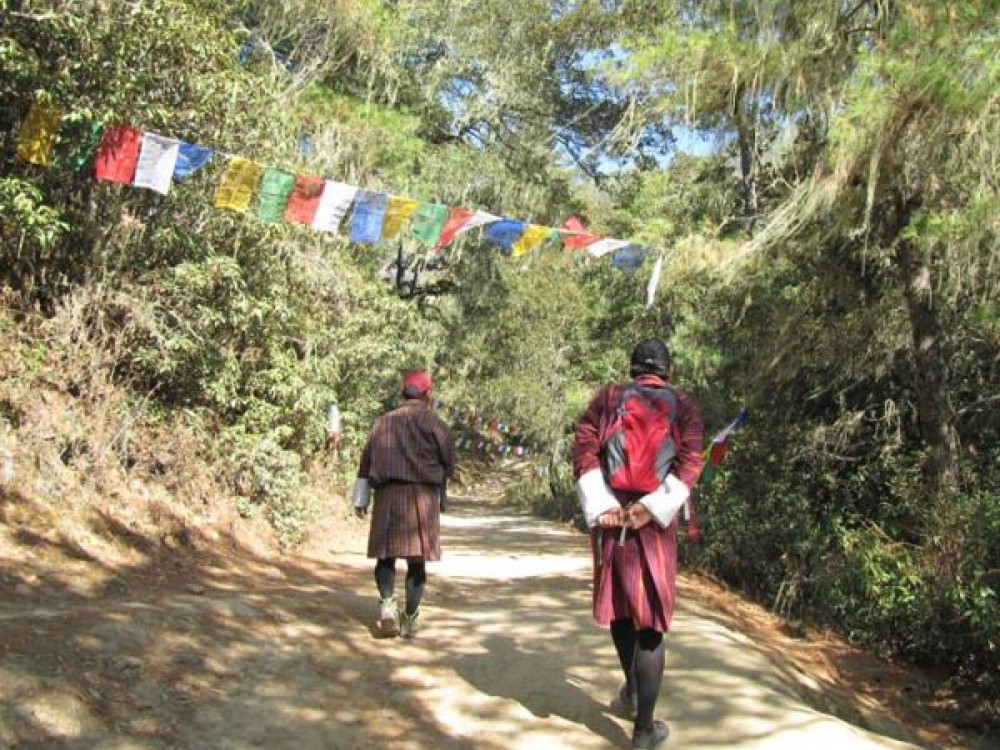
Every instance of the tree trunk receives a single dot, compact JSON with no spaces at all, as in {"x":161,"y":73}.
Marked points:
{"x":745,"y":137}
{"x":937,"y":418}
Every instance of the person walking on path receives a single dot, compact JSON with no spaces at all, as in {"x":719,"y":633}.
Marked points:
{"x":407,"y":463}
{"x":636,"y":457}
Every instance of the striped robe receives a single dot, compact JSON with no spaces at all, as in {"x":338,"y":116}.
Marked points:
{"x":407,"y":460}
{"x":636,"y":580}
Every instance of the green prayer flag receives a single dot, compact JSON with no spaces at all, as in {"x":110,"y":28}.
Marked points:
{"x":275,"y":188}
{"x":709,"y":473}
{"x":428,"y":222}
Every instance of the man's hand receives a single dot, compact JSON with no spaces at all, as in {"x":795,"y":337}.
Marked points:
{"x":611,"y":519}
{"x":638,"y":516}
{"x":361,"y":513}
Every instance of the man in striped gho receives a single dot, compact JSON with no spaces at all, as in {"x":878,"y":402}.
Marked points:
{"x":637,"y":455}
{"x":407,"y":463}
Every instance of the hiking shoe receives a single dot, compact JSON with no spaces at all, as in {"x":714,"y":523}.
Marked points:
{"x":625,"y":704}
{"x":409,"y":625}
{"x":649,"y":738}
{"x":388,"y":617}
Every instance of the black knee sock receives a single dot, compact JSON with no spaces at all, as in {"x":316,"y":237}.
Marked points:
{"x":624,"y":635}
{"x":416,"y":577}
{"x":649,"y":661}
{"x":385,"y":576}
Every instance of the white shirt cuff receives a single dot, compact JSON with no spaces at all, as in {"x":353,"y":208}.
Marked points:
{"x":664,"y":503}
{"x":362,"y":493}
{"x":595,"y":497}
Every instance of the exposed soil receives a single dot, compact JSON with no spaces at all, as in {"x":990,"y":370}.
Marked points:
{"x":111,"y":640}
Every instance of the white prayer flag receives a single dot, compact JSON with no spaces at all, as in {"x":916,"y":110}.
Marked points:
{"x":603,"y":247}
{"x":654,"y":282}
{"x":157,"y":159}
{"x":333,"y":205}
{"x":478,"y":219}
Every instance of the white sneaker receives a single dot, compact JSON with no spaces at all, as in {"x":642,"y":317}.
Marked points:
{"x":388,"y":617}
{"x":409,"y":624}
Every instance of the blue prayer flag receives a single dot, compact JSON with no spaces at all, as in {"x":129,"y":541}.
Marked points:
{"x":191,"y":158}
{"x":504,"y":233}
{"x":629,"y":258}
{"x":369,"y":215}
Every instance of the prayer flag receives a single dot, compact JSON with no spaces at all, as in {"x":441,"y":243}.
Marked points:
{"x":605,"y":246}
{"x":275,"y":188}
{"x":629,"y":258}
{"x":399,"y":212}
{"x":533,"y":236}
{"x":369,"y":215}
{"x":118,"y":154}
{"x":428,"y":222}
{"x":157,"y":158}
{"x":575,"y":235}
{"x":305,"y":198}
{"x":456,"y":220}
{"x":503,"y":234}
{"x":191,"y":158}
{"x":238,"y":183}
{"x":37,"y":139}
{"x":333,"y":205}
{"x":654,"y":282}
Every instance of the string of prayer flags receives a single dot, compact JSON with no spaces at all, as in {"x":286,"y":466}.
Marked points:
{"x":534,"y":235}
{"x":629,"y":258}
{"x":157,"y":161}
{"x":118,"y":154}
{"x":190,"y":158}
{"x":333,"y":205}
{"x":577,"y":236}
{"x":127,"y":155}
{"x":428,"y":222}
{"x":368,"y":216}
{"x":654,"y":282}
{"x":275,"y":188}
{"x":305,"y":198}
{"x":399,"y":212}
{"x":37,"y":139}
{"x":503,"y":234}
{"x":238,"y":183}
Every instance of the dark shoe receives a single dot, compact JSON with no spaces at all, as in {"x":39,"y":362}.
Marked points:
{"x":648,"y":739}
{"x":625,"y":704}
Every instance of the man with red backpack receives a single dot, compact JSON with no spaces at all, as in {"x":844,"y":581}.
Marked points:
{"x":637,"y":455}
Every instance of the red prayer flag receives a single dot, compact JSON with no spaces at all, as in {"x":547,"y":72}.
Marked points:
{"x":118,"y":154}
{"x":580,"y":237}
{"x":306,"y":194}
{"x":456,"y":220}
{"x":718,"y":452}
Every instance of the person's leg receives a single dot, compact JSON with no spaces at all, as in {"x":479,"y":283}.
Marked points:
{"x":648,"y":670}
{"x":624,"y":636}
{"x":416,"y":579}
{"x":385,"y":577}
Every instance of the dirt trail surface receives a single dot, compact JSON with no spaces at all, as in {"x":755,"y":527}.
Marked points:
{"x":233,"y":652}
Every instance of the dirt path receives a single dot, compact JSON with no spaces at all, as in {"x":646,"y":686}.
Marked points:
{"x":234,"y":653}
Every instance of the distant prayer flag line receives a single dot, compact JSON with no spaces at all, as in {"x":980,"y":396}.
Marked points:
{"x":149,"y":160}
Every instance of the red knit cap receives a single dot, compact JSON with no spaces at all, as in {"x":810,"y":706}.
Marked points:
{"x":419,"y":379}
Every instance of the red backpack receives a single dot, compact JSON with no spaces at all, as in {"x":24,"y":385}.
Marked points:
{"x":640,"y":442}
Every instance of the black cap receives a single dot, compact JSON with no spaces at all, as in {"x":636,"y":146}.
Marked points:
{"x":650,"y":357}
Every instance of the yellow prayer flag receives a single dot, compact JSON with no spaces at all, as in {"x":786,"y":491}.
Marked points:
{"x":38,"y":133}
{"x":236,"y":188}
{"x":533,"y":236}
{"x":400,"y":211}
